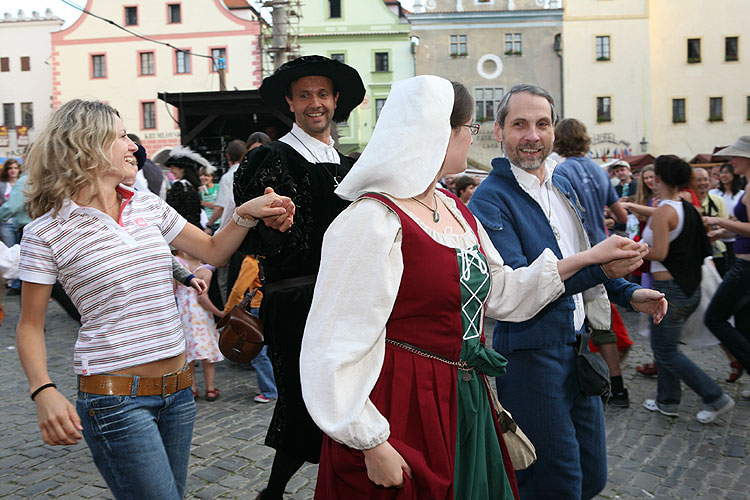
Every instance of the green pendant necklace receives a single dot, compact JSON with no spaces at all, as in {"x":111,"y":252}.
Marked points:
{"x":435,"y":214}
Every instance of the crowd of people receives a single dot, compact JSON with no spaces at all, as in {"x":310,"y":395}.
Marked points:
{"x":372,"y":279}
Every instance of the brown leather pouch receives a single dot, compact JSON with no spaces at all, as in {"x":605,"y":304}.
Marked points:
{"x":240,"y":333}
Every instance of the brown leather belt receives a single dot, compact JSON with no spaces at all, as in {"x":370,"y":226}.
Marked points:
{"x":122,"y":385}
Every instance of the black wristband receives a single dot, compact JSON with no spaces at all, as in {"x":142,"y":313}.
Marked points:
{"x":187,"y":280}
{"x":33,"y":394}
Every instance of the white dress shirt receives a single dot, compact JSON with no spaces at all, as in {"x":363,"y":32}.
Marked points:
{"x":561,"y":216}
{"x":311,"y":148}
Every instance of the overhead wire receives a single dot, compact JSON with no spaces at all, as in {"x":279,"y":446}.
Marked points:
{"x":134,"y":33}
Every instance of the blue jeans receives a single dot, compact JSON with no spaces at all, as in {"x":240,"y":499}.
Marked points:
{"x":541,"y":391}
{"x":674,"y":366}
{"x":264,"y":369}
{"x":732,"y":298}
{"x":140,"y":444}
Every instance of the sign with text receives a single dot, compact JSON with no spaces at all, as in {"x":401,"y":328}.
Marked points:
{"x":4,"y":137}
{"x":22,"y":135}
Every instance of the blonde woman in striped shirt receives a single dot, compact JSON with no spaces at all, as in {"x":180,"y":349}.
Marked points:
{"x":106,"y":244}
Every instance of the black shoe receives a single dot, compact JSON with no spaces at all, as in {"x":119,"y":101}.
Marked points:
{"x":620,"y":399}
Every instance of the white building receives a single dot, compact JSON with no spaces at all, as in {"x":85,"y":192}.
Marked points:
{"x":666,"y":76}
{"x":25,"y":77}
{"x":95,"y":60}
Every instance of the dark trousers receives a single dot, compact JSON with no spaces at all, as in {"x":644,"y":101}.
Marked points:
{"x":732,"y":298}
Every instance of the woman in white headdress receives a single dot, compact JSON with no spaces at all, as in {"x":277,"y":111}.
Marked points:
{"x":393,"y":364}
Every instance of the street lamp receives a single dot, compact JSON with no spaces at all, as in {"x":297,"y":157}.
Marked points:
{"x":644,"y":145}
{"x":414,"y":40}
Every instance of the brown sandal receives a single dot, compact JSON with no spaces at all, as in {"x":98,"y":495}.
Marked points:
{"x":212,"y":395}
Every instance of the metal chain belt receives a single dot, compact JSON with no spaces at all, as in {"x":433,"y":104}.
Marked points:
{"x":460,"y":364}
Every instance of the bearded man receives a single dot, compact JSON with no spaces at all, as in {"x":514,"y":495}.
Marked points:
{"x":525,"y":209}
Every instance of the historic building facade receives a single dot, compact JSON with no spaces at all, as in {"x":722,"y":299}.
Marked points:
{"x":209,"y":40}
{"x":662,"y":76}
{"x":489,"y":46}
{"x":369,"y":35}
{"x":25,"y":78}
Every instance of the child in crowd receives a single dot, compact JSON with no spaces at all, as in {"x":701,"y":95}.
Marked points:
{"x":197,"y":316}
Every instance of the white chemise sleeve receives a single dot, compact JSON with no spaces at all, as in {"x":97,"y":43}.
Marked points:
{"x":344,"y":342}
{"x":519,"y":294}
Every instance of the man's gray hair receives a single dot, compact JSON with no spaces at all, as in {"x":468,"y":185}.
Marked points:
{"x":502,"y":108}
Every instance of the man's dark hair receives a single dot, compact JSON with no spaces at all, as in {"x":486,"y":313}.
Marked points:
{"x":259,"y":137}
{"x":673,"y":171}
{"x":235,"y":151}
{"x":463,"y":181}
{"x":135,"y":139}
{"x":502,"y":108}
{"x":571,"y":138}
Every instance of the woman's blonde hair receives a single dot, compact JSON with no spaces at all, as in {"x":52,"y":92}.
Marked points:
{"x":70,"y":155}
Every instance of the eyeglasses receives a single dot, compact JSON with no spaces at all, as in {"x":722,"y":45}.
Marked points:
{"x":474,"y":127}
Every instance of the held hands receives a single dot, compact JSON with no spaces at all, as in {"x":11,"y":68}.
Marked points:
{"x":650,"y":302}
{"x":711,"y":221}
{"x":385,"y":466}
{"x":58,"y":419}
{"x":276,"y":211}
{"x":620,"y":256}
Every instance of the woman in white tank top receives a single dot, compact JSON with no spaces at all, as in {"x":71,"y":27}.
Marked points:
{"x":675,"y":233}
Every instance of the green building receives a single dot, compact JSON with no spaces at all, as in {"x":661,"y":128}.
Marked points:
{"x":369,"y":35}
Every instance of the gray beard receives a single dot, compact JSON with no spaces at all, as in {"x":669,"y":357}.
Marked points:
{"x":519,"y":163}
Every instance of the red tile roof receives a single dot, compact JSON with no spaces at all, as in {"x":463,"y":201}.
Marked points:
{"x":236,"y":4}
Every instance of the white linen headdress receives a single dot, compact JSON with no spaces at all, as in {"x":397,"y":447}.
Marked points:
{"x":409,"y":142}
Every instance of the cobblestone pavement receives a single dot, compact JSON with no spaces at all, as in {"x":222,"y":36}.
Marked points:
{"x":650,"y":456}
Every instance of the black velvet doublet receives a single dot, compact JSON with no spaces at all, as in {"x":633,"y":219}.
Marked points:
{"x":286,"y":255}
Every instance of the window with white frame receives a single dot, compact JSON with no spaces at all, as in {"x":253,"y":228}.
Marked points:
{"x":458,"y":45}
{"x":147,"y":63}
{"x":182,"y":62}
{"x":99,"y":66}
{"x":602,"y":48}
{"x":603,"y":109}
{"x":131,"y":16}
{"x":149,"y":115}
{"x":27,"y":114}
{"x":678,"y":111}
{"x":486,"y":100}
{"x":513,"y":44}
{"x":174,"y":12}
{"x":715,"y":109}
{"x":379,"y":103}
{"x":219,"y":57}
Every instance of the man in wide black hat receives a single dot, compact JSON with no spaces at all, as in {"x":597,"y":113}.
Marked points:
{"x":305,"y":166}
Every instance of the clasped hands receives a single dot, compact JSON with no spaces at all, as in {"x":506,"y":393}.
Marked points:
{"x":627,"y":257}
{"x":275,"y":211}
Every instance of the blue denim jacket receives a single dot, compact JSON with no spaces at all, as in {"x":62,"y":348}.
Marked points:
{"x":520,"y":232}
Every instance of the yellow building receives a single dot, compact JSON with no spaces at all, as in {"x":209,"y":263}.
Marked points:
{"x":95,"y":60}
{"x":657,"y":76}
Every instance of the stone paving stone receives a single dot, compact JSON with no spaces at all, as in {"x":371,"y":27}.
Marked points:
{"x":63,"y":489}
{"x":37,"y":488}
{"x":211,"y":474}
{"x":6,"y":488}
{"x":211,"y":492}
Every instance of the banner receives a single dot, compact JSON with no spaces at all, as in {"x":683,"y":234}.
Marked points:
{"x":4,"y":138}
{"x":22,"y":135}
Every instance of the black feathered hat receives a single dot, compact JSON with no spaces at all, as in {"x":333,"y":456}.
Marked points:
{"x":346,"y":81}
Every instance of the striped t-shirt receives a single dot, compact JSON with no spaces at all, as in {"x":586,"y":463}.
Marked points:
{"x":119,"y":276}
